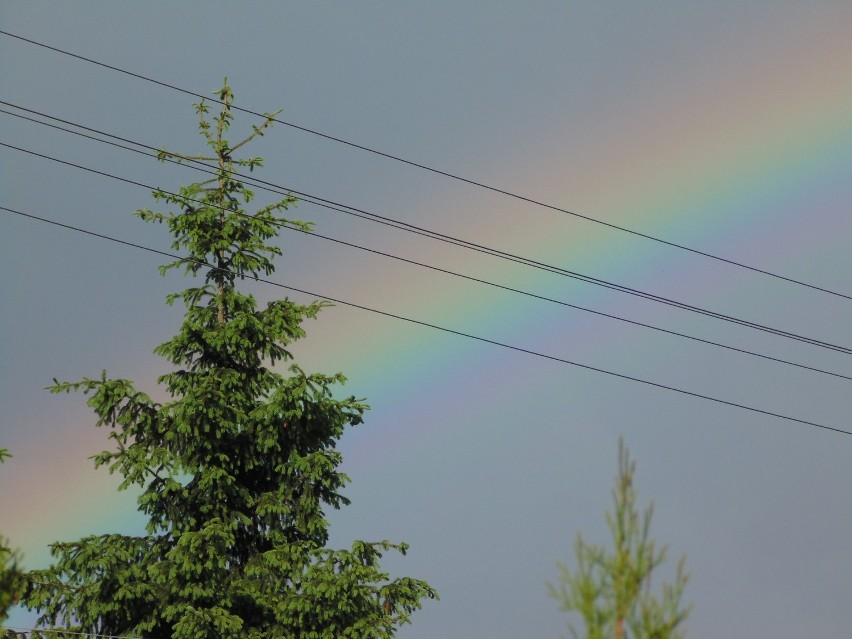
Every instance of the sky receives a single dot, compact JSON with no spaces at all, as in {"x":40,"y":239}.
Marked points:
{"x":724,"y":127}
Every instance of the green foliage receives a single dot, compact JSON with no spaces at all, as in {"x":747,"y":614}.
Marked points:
{"x":11,"y":579}
{"x":237,"y":467}
{"x":611,"y":590}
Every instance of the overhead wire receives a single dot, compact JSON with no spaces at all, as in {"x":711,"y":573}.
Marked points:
{"x":437,"y":327}
{"x":500,"y":254}
{"x":200,"y":166}
{"x":434,"y":170}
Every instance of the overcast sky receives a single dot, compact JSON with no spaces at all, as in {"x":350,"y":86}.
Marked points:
{"x":723,"y":127}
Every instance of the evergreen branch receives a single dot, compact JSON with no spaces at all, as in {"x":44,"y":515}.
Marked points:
{"x":257,"y":130}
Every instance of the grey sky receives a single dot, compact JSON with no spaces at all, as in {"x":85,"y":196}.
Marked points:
{"x":658,"y":117}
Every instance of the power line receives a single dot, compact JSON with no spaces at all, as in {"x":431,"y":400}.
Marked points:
{"x":374,"y":217}
{"x":574,"y":306}
{"x":434,"y":170}
{"x":478,"y":338}
{"x":510,"y":257}
{"x":203,"y":167}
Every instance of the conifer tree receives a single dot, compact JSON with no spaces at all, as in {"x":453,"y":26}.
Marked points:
{"x":11,"y":581}
{"x":611,"y":590}
{"x":237,"y":467}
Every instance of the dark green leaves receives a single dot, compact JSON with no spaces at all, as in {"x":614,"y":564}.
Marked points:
{"x":11,"y":579}
{"x":237,"y":466}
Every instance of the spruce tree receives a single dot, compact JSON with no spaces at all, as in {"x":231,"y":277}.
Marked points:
{"x":11,"y":582}
{"x":237,"y":467}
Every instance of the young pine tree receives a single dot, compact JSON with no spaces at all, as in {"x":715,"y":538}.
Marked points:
{"x":611,"y":590}
{"x":236,"y":468}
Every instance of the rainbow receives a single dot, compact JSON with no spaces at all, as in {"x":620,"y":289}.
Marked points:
{"x":738,"y":154}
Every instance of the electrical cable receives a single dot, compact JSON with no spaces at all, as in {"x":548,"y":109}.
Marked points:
{"x":574,"y":306}
{"x":478,"y":338}
{"x":526,"y":261}
{"x":194,"y":165}
{"x":436,"y":171}
{"x":373,"y":217}
{"x":208,"y":169}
